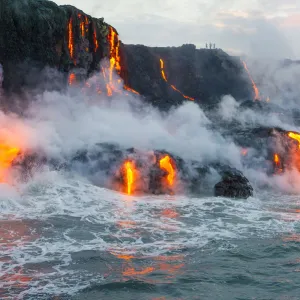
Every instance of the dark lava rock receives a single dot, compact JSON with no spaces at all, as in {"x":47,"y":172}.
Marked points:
{"x":35,"y":39}
{"x":35,"y":36}
{"x":233,"y":185}
{"x":203,"y":74}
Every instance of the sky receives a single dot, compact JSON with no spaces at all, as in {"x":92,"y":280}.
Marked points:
{"x":258,"y":28}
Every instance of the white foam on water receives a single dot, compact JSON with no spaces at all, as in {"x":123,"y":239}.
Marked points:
{"x":146,"y":226}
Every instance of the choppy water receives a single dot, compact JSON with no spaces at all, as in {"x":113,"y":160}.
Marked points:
{"x":66,"y":239}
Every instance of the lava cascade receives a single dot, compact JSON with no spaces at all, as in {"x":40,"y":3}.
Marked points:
{"x":255,"y":88}
{"x":163,"y":75}
{"x":129,"y":169}
{"x":277,"y":163}
{"x":114,"y":65}
{"x":96,"y":45}
{"x":71,"y":39}
{"x":130,"y":177}
{"x":167,"y":164}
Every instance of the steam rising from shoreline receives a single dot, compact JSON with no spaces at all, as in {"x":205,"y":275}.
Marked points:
{"x":59,"y":125}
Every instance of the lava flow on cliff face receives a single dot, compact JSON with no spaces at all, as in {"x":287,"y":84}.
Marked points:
{"x":71,"y":39}
{"x":163,"y":75}
{"x":254,"y":86}
{"x":112,"y":84}
{"x":167,"y":164}
{"x":130,"y":177}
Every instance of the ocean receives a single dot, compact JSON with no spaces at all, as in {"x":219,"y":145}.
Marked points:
{"x":63,"y":238}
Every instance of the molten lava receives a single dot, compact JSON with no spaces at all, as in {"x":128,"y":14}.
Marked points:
{"x":96,"y":45}
{"x":71,"y":40}
{"x":7,"y":156}
{"x":130,"y":177}
{"x":82,"y":28}
{"x":255,"y":88}
{"x":162,"y":70}
{"x":166,"y":164}
{"x":295,"y":137}
{"x":130,"y":90}
{"x":72,"y":79}
{"x":114,"y":62}
{"x":163,"y":74}
{"x":277,"y":162}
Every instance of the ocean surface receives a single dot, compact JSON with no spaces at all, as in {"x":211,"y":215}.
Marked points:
{"x":64,"y":239}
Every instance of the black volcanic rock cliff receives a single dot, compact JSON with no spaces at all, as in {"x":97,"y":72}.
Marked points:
{"x":38,"y":35}
{"x":202,"y":74}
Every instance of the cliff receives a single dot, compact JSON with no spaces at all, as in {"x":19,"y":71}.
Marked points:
{"x":38,"y":38}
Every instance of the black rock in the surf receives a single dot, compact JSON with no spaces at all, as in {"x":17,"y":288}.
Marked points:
{"x":233,"y":185}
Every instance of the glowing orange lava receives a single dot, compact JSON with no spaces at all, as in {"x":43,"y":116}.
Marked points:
{"x":114,"y":61}
{"x":277,"y":163}
{"x":130,"y":90}
{"x":70,"y":41}
{"x":255,"y":88}
{"x":130,"y":177}
{"x":163,"y":74}
{"x":7,"y":156}
{"x":295,"y":137}
{"x":72,"y":79}
{"x":82,"y":28}
{"x":96,"y":45}
{"x":166,"y":164}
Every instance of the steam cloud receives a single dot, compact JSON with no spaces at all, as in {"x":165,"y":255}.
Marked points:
{"x":60,"y":124}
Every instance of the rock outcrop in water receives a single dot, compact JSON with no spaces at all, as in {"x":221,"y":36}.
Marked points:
{"x":233,"y":185}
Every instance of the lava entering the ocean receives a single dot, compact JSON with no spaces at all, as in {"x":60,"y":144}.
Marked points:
{"x":130,"y":176}
{"x":163,"y":75}
{"x":255,"y":88}
{"x":168,"y":165}
{"x":7,"y":155}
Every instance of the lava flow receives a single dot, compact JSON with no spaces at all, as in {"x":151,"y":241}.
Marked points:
{"x":130,"y":175}
{"x":7,"y":156}
{"x":114,"y":64}
{"x":72,"y":79}
{"x":70,"y":40}
{"x":295,"y":137}
{"x":96,"y":45}
{"x":166,"y":164}
{"x":277,"y":163}
{"x":130,"y":90}
{"x":163,"y":74}
{"x":255,"y":88}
